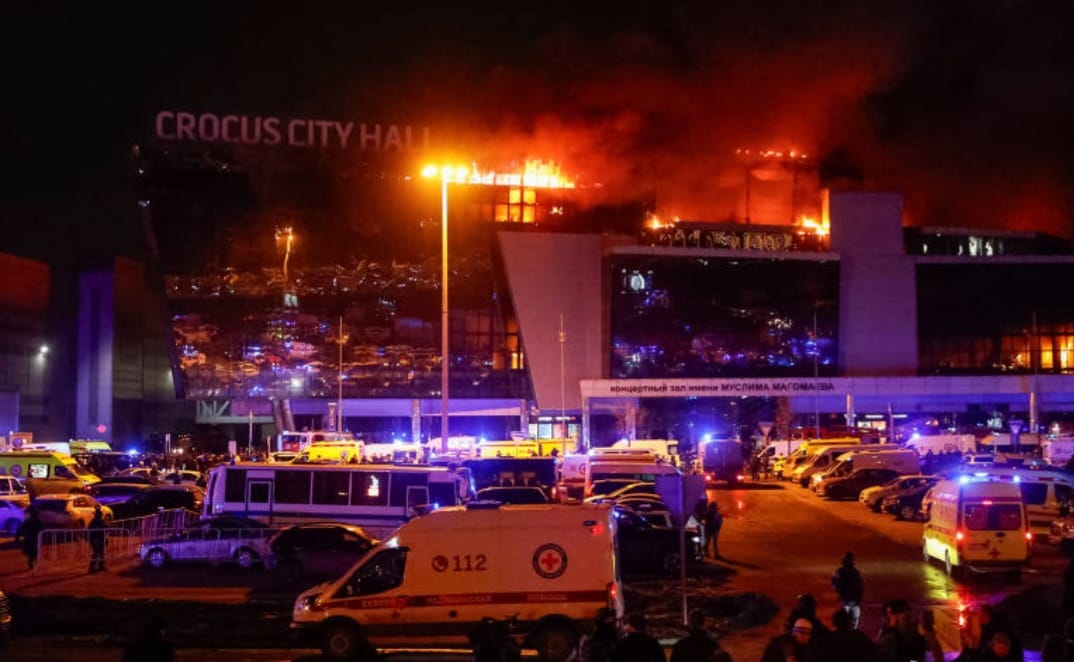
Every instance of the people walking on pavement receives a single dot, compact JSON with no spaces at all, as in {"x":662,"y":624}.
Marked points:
{"x":638,"y":645}
{"x":849,"y":586}
{"x":28,"y":532}
{"x":713,"y":522}
{"x":698,"y":645}
{"x":98,"y":540}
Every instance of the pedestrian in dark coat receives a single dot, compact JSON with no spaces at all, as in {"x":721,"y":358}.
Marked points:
{"x":98,"y":540}
{"x":28,"y":532}
{"x":713,"y":523}
{"x":845,"y":643}
{"x":849,"y":585}
{"x":638,"y":645}
{"x":598,"y":646}
{"x":899,"y":640}
{"x":698,"y":645}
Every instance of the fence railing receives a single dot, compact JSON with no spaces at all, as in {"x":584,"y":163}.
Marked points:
{"x":60,"y":549}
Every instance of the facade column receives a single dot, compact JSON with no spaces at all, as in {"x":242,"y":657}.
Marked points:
{"x":1034,"y":406}
{"x":415,"y":420}
{"x":524,"y":417}
{"x":850,"y":410}
{"x":632,"y":420}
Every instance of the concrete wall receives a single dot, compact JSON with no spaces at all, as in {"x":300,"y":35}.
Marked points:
{"x":549,"y":275}
{"x":877,"y":290}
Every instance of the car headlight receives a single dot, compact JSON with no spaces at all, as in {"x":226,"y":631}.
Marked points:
{"x":307,"y":603}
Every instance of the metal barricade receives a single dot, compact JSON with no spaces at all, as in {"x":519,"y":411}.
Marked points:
{"x":69,"y":549}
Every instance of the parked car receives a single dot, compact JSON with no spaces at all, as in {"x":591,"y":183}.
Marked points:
{"x":515,"y":495}
{"x":1061,"y":532}
{"x":907,"y":503}
{"x":652,"y":512}
{"x":850,"y":487}
{"x":646,"y":550}
{"x":68,"y":511}
{"x":12,"y":489}
{"x":184,"y":477}
{"x":11,"y":517}
{"x":160,"y":497}
{"x":317,"y":550}
{"x":219,"y":540}
{"x":109,"y":493}
{"x":873,"y":497}
{"x":604,"y":487}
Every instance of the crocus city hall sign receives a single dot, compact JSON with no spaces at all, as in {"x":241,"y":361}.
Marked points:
{"x":180,"y":126}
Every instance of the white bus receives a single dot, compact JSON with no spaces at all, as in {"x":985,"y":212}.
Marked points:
{"x":377,"y":497}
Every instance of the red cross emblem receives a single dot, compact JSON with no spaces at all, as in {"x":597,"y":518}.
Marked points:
{"x":993,"y":553}
{"x":550,"y":561}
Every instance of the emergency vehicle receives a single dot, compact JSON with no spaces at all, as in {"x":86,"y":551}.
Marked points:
{"x":548,"y":567}
{"x":977,"y":523}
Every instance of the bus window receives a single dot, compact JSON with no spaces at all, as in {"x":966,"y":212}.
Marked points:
{"x":292,"y":486}
{"x":235,"y":486}
{"x":369,"y":488}
{"x":401,"y":481}
{"x":442,"y":494}
{"x":331,"y":488}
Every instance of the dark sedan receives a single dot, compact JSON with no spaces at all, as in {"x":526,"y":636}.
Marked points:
{"x":907,"y":504}
{"x":851,"y":486}
{"x":162,"y":497}
{"x":317,"y":552}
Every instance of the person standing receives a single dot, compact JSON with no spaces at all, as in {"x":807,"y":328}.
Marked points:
{"x":698,"y":645}
{"x":28,"y":532}
{"x":845,"y":643}
{"x":598,"y":646}
{"x":98,"y":540}
{"x":638,"y":645}
{"x":850,"y":586}
{"x":798,"y":645}
{"x":713,"y":523}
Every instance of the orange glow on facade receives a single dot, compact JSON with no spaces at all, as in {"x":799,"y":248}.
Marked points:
{"x":536,"y":174}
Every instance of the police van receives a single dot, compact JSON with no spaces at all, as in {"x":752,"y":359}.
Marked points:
{"x":979,"y":524}
{"x":550,"y":567}
{"x":1043,"y":491}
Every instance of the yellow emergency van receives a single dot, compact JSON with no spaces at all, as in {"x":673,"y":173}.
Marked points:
{"x":979,"y":524}
{"x":46,"y":472}
{"x":550,"y":567}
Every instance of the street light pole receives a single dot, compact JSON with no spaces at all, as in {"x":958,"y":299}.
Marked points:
{"x":445,"y":358}
{"x":562,"y":378}
{"x":816,"y":376}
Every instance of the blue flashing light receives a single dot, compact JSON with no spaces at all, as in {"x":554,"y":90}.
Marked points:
{"x":706,"y":437}
{"x":980,"y":474}
{"x":963,"y":480}
{"x":482,"y":439}
{"x":1017,"y":478}
{"x":133,"y":451}
{"x":916,"y":435}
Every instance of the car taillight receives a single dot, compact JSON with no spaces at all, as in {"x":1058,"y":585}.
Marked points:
{"x":555,"y":494}
{"x":1029,"y":536}
{"x":613,"y":595}
{"x":958,"y":536}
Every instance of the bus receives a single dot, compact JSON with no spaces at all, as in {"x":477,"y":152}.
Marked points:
{"x":377,"y":497}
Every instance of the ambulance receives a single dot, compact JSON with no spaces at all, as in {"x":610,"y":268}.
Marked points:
{"x":547,"y":567}
{"x":980,"y":524}
{"x":1044,"y":492}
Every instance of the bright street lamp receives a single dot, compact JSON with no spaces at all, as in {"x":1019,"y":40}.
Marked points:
{"x":446,"y":173}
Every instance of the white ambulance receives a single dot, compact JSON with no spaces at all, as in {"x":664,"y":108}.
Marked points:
{"x":439,"y":575}
{"x":1043,"y":491}
{"x":979,"y":524}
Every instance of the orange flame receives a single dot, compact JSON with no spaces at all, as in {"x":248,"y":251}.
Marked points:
{"x":535,"y":174}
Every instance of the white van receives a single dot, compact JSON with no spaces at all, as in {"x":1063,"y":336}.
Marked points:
{"x":978,"y":524}
{"x":665,"y":449}
{"x":1042,"y":491}
{"x":633,"y":469}
{"x":806,"y":450}
{"x":885,"y":456}
{"x":572,"y":470}
{"x":550,"y":566}
{"x":819,"y":459}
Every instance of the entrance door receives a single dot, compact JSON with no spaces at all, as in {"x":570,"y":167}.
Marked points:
{"x":259,"y":499}
{"x":416,"y":496}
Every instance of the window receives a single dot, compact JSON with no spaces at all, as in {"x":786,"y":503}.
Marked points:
{"x":62,"y":472}
{"x":1034,"y":494}
{"x":38,"y":471}
{"x":331,"y":488}
{"x":401,"y":481}
{"x":260,"y":491}
{"x":1064,"y":494}
{"x":381,"y":573}
{"x":369,"y":488}
{"x":235,"y":486}
{"x":292,"y":486}
{"x":979,"y":517}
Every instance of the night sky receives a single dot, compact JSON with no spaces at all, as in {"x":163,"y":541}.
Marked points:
{"x":963,"y":106}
